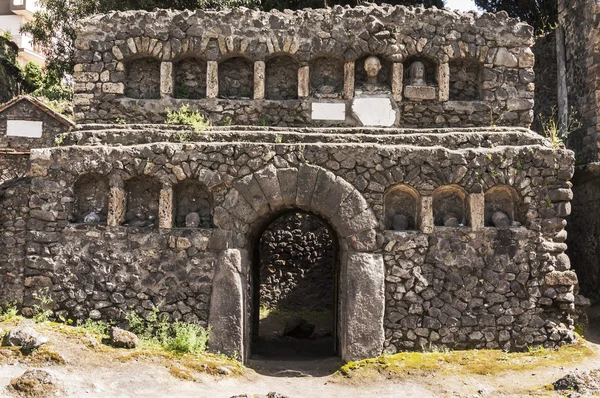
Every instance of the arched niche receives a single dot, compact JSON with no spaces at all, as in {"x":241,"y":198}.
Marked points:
{"x":281,"y":78}
{"x":190,"y":78}
{"x":465,"y":80}
{"x":142,"y":198}
{"x":143,"y":78}
{"x":401,"y":208}
{"x":500,"y":206}
{"x":236,"y":78}
{"x":430,"y":72}
{"x":326,"y":77}
{"x":91,"y":199}
{"x":191,"y":205}
{"x":450,"y":206}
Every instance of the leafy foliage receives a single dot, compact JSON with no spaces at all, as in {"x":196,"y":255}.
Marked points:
{"x":188,"y":117}
{"x":541,"y":14}
{"x":178,"y":337}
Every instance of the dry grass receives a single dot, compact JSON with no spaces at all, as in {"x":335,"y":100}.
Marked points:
{"x":481,"y":362}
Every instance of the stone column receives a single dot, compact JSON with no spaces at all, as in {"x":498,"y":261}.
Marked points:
{"x":397,"y":81}
{"x":259,"y":79}
{"x":226,"y":317}
{"x":212,"y":79}
{"x":362,"y":290}
{"x":349,"y":80}
{"x":303,"y":81}
{"x":165,"y":208}
{"x":167,"y":79}
{"x":426,"y":223}
{"x":444,"y":82}
{"x":116,"y":207}
{"x":477,"y":211}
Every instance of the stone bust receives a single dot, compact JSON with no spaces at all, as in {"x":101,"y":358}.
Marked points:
{"x":416,"y":74}
{"x":372,"y":85}
{"x":372,"y":67}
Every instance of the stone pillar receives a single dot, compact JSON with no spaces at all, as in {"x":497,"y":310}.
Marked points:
{"x":349,"y":80}
{"x":167,"y":79}
{"x":303,"y":81}
{"x":362,"y":290}
{"x":226,"y":317}
{"x":397,"y":81}
{"x":477,"y":211}
{"x":165,"y":208}
{"x":212,"y":79}
{"x":426,"y":223}
{"x":259,"y":79}
{"x":443,"y":75}
{"x":116,"y":207}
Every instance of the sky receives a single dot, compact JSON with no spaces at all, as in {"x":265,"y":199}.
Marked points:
{"x":462,"y":5}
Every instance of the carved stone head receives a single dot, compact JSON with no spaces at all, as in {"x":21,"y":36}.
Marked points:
{"x":372,"y":68}
{"x":416,"y":74}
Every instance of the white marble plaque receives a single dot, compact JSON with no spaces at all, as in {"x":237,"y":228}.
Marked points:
{"x":374,"y":111}
{"x":328,"y":111}
{"x":24,"y":128}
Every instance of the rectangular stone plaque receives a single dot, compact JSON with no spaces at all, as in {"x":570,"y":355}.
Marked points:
{"x":419,"y":93}
{"x":328,"y":111}
{"x":24,"y":128}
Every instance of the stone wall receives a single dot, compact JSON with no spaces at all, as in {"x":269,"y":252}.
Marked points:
{"x":297,"y":264}
{"x":467,"y":286}
{"x":580,"y":20}
{"x":495,"y":89}
{"x":546,"y":90}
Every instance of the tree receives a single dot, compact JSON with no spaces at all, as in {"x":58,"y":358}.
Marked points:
{"x":541,"y":14}
{"x":54,"y":24}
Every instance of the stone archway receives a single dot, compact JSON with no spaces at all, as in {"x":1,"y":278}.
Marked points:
{"x":254,"y":199}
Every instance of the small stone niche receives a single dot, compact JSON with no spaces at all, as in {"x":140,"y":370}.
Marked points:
{"x":281,"y":78}
{"x":236,"y":78}
{"x":384,"y":77}
{"x":420,"y":79}
{"x":142,"y":197}
{"x":401,"y":208}
{"x":326,"y":77}
{"x":449,"y":207}
{"x":143,"y":78}
{"x":190,"y":78}
{"x":465,"y":80}
{"x":500,"y":207}
{"x":192,"y":206}
{"x":91,"y":199}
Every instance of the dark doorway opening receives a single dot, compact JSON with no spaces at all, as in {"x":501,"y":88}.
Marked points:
{"x":294,"y":282}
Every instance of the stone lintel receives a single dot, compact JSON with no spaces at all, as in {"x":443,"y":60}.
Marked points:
{"x":349,"y":80}
{"x":259,"y":79}
{"x":116,"y":207}
{"x":165,"y":208}
{"x":167,"y":79}
{"x":212,"y":79}
{"x":426,"y":220}
{"x":303,"y":81}
{"x":397,"y":81}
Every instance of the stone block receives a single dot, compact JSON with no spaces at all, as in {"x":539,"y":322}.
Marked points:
{"x":443,"y":79}
{"x":165,"y":208}
{"x":303,"y":82}
{"x":269,"y":183}
{"x":363,"y":306}
{"x":307,"y":178}
{"x":116,"y":207}
{"x":212,"y":79}
{"x":397,"y":81}
{"x":426,"y":224}
{"x":259,"y":79}
{"x":419,"y":93}
{"x":374,"y":111}
{"x":565,"y":278}
{"x":167,"y":79}
{"x":249,"y":188}
{"x":349,"y":80}
{"x":477,"y":210}
{"x":329,"y":193}
{"x":288,"y":184}
{"x":226,"y":316}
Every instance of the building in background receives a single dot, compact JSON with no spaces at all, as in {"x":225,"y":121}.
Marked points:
{"x":14,"y":13}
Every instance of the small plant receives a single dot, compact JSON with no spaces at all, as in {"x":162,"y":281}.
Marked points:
{"x":60,"y":139}
{"x":95,"y":327}
{"x":548,"y":203}
{"x":227,"y":121}
{"x":186,"y":337}
{"x":119,"y":121}
{"x":552,"y":129}
{"x":9,"y":312}
{"x":278,"y":139}
{"x":187,"y":117}
{"x":43,"y":310}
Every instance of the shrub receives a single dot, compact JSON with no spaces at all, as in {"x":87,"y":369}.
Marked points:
{"x":188,"y":117}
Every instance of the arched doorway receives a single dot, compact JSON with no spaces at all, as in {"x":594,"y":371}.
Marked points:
{"x":294,"y":283}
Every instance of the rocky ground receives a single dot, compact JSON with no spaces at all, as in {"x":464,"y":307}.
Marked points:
{"x":79,"y":365}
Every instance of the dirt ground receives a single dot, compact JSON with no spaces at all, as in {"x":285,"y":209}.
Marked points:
{"x":95,"y":372}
